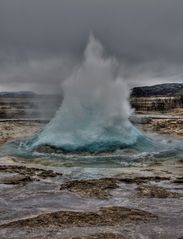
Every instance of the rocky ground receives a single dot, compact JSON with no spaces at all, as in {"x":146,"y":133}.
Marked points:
{"x":167,"y":123}
{"x":40,"y":200}
{"x":11,"y":130}
{"x":172,"y":127}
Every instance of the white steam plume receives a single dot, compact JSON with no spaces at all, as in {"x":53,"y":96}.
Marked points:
{"x":95,"y":109}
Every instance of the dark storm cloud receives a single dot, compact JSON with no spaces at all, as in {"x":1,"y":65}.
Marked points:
{"x":146,"y":35}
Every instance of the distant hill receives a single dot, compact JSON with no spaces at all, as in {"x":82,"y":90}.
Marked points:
{"x":28,"y":105}
{"x":169,"y":89}
{"x":26,"y":94}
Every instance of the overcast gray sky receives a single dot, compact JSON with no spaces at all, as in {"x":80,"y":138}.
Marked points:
{"x":42,"y":40}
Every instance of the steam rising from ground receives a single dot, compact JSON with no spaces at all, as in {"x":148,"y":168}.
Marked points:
{"x":95,"y":111}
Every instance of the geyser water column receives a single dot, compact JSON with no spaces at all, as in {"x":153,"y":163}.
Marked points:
{"x":95,"y":111}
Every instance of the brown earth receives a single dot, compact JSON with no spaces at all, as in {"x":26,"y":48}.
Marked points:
{"x":169,"y":126}
{"x":14,"y":130}
{"x":156,"y":192}
{"x":23,"y":174}
{"x":99,"y":188}
{"x":101,"y":236}
{"x":104,"y":216}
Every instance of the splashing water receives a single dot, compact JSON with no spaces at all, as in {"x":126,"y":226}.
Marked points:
{"x":95,"y":111}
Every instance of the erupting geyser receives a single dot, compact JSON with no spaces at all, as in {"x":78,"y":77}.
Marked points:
{"x":94,"y":114}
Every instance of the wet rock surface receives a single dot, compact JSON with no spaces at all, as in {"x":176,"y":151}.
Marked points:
{"x":17,"y":179}
{"x":46,"y":149}
{"x":46,"y":207}
{"x":178,"y":180}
